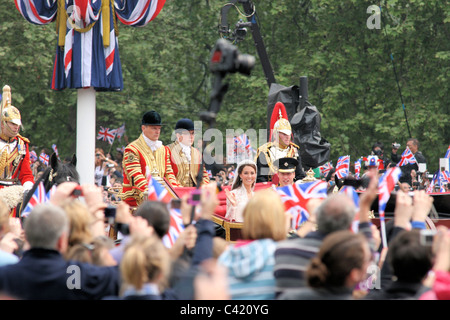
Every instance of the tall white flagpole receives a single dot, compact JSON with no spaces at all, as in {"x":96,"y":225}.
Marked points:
{"x":86,"y":135}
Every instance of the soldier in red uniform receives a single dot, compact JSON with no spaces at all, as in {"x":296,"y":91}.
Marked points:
{"x":143,"y":157}
{"x":15,"y":169}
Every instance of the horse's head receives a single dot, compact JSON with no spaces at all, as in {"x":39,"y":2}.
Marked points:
{"x":61,"y":172}
{"x":58,"y":172}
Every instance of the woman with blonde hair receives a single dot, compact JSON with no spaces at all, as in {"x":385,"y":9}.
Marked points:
{"x":145,"y":269}
{"x":250,"y":262}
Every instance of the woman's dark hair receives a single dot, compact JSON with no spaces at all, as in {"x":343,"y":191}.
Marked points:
{"x":405,"y":250}
{"x":238,"y":181}
{"x":340,"y":253}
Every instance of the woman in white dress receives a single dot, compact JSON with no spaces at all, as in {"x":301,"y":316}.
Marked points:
{"x":241,"y":190}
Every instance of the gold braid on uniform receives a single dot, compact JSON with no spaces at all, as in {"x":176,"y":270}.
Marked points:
{"x":3,"y":161}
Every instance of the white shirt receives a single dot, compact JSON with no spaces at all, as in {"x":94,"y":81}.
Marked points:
{"x":154,"y":145}
{"x":186,"y":150}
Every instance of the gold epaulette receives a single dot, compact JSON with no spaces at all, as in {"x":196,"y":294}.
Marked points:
{"x":294,"y":145}
{"x":23,"y":138}
{"x":265,"y":147}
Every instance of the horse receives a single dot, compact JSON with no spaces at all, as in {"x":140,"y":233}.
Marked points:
{"x":56,"y":173}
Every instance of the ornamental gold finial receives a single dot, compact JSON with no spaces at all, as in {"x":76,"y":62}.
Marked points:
{"x":6,"y":97}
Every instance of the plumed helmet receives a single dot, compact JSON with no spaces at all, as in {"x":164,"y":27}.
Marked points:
{"x":11,"y":114}
{"x":283,"y":125}
{"x":184,"y":124}
{"x":279,"y":120}
{"x":151,"y":118}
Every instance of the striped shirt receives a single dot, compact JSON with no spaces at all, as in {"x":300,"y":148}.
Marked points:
{"x":292,"y":258}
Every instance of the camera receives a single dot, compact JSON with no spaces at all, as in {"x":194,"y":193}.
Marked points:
{"x":110,"y":165}
{"x":110,"y":212}
{"x":122,"y":228}
{"x":226,"y":58}
{"x":241,"y":31}
{"x":77,"y":192}
{"x":395,"y":145}
{"x":426,"y":237}
{"x":194,"y":199}
{"x":378,"y":153}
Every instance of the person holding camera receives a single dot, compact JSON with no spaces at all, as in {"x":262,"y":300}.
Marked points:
{"x":103,"y":165}
{"x":383,"y":161}
{"x":186,"y":160}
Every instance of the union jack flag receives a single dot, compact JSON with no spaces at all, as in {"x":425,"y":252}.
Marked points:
{"x":447,"y":154}
{"x":242,"y":144}
{"x":106,"y":135}
{"x":386,"y":184}
{"x":175,"y":228}
{"x":407,"y":158}
{"x":357,"y":168}
{"x":430,"y":188}
{"x":295,"y":199}
{"x":33,"y":156}
{"x":119,"y":131}
{"x":51,"y":192}
{"x":342,"y":167}
{"x":445,"y":176}
{"x":90,"y":58}
{"x":39,"y":196}
{"x":443,"y":179}
{"x":326,"y":168}
{"x":156,"y":192}
{"x":55,"y":148}
{"x":44,"y":158}
{"x":353,"y":195}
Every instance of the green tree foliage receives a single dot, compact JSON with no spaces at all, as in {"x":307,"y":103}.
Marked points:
{"x":166,"y":67}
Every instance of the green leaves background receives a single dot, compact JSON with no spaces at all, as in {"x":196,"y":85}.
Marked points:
{"x":166,"y":67}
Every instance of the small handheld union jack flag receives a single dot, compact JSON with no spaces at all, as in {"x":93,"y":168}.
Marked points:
{"x":39,"y":196}
{"x":55,"y":148}
{"x":295,"y":199}
{"x":386,"y":184}
{"x":106,"y":135}
{"x":407,"y":158}
{"x":156,"y":192}
{"x":326,"y":168}
{"x":342,"y":167}
{"x":33,"y":156}
{"x":175,"y":228}
{"x":44,"y":158}
{"x":358,"y":168}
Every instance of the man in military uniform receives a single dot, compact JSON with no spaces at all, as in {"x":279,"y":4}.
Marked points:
{"x":186,"y":159}
{"x":14,"y":154}
{"x":15,"y":169}
{"x":280,"y":147}
{"x":286,"y":170}
{"x":144,"y":157}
